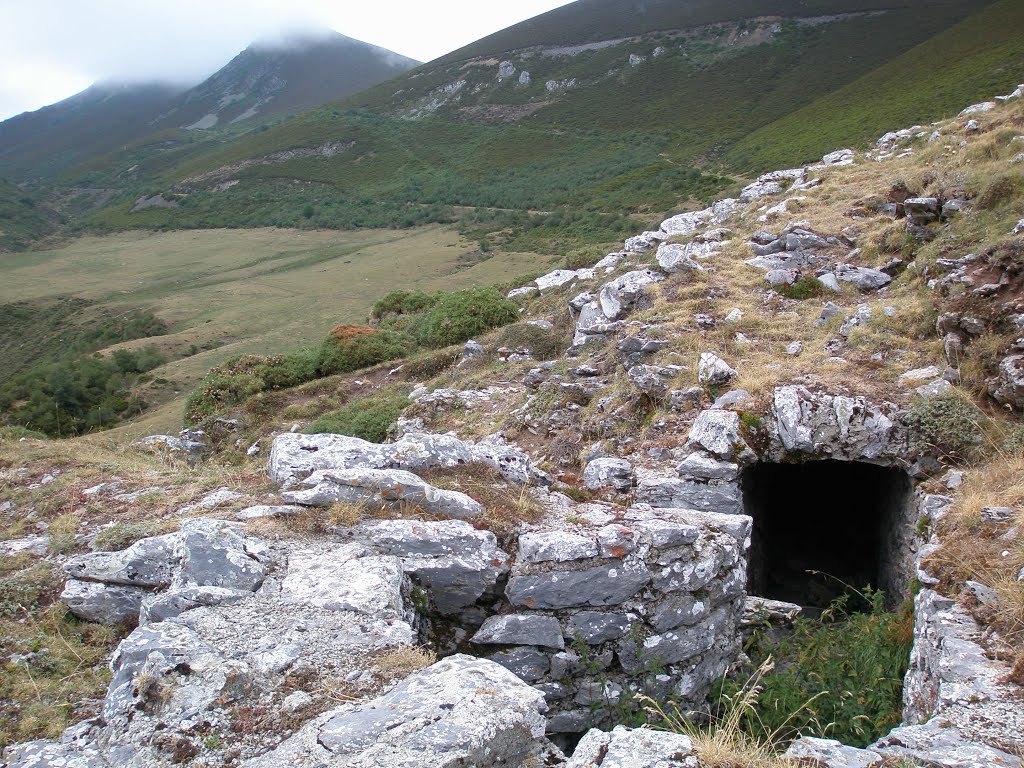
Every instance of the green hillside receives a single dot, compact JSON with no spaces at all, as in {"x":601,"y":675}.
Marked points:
{"x":653,"y":107}
{"x":978,"y":58}
{"x":21,"y":218}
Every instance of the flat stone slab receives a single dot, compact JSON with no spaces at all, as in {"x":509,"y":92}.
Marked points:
{"x":604,"y":585}
{"x":521,"y":630}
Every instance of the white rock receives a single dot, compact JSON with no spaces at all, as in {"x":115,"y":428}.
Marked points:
{"x":713,"y":370}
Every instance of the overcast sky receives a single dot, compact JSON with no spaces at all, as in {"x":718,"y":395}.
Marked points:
{"x":52,"y":49}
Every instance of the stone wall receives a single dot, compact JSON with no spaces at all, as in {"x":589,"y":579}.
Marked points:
{"x":619,"y":602}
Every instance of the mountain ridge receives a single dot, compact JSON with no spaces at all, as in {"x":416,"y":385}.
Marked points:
{"x":266,"y":80}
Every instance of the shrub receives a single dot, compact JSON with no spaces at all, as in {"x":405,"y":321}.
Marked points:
{"x":1013,"y":443}
{"x":804,"y":288}
{"x":350,"y":348}
{"x":429,"y":364}
{"x":544,"y":344}
{"x":949,"y":424}
{"x":461,"y":315}
{"x":281,"y":372}
{"x":402,"y":302}
{"x":368,"y":418}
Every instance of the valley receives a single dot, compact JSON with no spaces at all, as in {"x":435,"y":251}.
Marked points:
{"x":224,"y":293}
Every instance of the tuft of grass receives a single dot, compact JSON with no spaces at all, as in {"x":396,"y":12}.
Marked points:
{"x":402,"y":662}
{"x":62,"y":533}
{"x":345,"y":515}
{"x":726,"y":740}
{"x":368,"y":418}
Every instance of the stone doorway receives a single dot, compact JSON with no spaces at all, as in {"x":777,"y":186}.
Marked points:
{"x":821,"y":525}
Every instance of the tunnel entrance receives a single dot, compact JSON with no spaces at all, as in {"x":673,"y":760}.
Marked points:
{"x":823,"y":524}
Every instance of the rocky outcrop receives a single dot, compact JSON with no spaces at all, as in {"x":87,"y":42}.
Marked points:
{"x":823,"y":426}
{"x":295,"y":457}
{"x":383,"y":486}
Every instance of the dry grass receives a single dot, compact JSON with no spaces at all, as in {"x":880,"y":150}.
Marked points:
{"x":991,"y":553}
{"x":723,"y":742}
{"x":402,"y":662}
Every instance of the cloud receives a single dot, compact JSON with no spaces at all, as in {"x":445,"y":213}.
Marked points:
{"x":50,"y":49}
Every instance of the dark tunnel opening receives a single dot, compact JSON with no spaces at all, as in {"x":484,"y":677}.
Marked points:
{"x":825,"y":526}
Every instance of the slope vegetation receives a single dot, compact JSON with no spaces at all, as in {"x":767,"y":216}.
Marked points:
{"x":603,"y":108}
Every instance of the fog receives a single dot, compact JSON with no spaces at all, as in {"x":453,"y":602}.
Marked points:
{"x":51,"y":49}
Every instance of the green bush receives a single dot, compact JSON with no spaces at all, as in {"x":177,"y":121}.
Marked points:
{"x":543,"y":344}
{"x":1013,"y":443}
{"x":368,"y":418}
{"x":949,"y":424}
{"x":461,"y":315}
{"x":402,"y":302}
{"x":804,"y":288}
{"x":1000,"y":191}
{"x":342,"y":353}
{"x":840,"y":675}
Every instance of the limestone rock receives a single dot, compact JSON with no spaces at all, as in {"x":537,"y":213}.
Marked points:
{"x":594,"y":587}
{"x":718,"y":433}
{"x":295,"y":457}
{"x":661,"y":491}
{"x":460,"y":711}
{"x":454,"y":563}
{"x":608,"y":473}
{"x":620,"y":295}
{"x":864,"y":278}
{"x":633,"y":748}
{"x":103,"y":603}
{"x":690,"y":222}
{"x":146,"y":563}
{"x":714,"y":371}
{"x":167,"y":605}
{"x":831,"y":754}
{"x":1008,"y":386}
{"x":555,"y":547}
{"x":356,"y":486}
{"x":521,"y":630}
{"x":833,"y":426}
{"x":214,"y":554}
{"x":342,"y":581}
{"x":595,"y":628}
{"x":673,"y":258}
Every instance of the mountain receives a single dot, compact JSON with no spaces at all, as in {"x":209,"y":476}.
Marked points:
{"x":262,"y":81}
{"x":600,"y":109}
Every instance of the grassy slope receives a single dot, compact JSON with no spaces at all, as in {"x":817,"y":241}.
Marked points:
{"x":594,"y":20}
{"x":981,"y":56}
{"x":256,"y":291}
{"x":21,"y":221}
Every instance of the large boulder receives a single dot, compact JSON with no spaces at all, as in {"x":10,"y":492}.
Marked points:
{"x":608,"y":472}
{"x":103,"y":603}
{"x":454,"y":563}
{"x":344,"y":580}
{"x":461,"y":711}
{"x":834,"y":426}
{"x":1008,"y":385}
{"x":674,"y":258}
{"x":295,"y":457}
{"x":633,"y":748}
{"x":149,"y":562}
{"x":216,"y":554}
{"x":358,"y":486}
{"x":621,"y":294}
